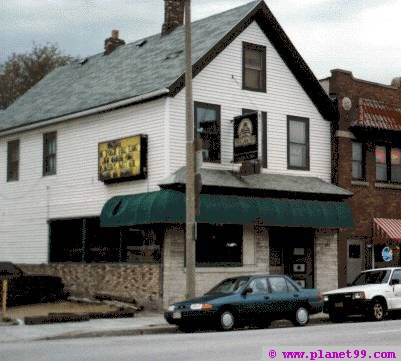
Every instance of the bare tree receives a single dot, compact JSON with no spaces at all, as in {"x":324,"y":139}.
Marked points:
{"x":20,"y":72}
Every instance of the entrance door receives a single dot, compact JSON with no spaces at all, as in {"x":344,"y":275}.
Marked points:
{"x":355,"y":259}
{"x":298,"y":256}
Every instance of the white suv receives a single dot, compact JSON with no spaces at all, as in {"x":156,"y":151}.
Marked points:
{"x":373,"y":294}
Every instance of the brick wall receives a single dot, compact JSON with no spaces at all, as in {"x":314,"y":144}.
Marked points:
{"x":255,"y":259}
{"x":140,"y":282}
{"x":369,"y":199}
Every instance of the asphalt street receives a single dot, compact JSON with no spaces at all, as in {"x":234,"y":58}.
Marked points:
{"x":241,"y":345}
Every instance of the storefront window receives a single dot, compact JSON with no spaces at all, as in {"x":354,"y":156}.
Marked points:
{"x":66,"y":241}
{"x":219,"y":245}
{"x":83,"y":240}
{"x":141,"y":244}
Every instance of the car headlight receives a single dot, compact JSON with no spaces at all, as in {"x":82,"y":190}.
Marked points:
{"x":358,"y":296}
{"x":326,"y":298}
{"x":171,"y":308}
{"x":201,"y":306}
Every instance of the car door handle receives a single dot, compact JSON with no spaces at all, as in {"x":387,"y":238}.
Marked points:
{"x":296,"y":295}
{"x":267,"y":298}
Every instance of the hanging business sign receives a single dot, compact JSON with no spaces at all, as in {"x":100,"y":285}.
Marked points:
{"x":123,"y":159}
{"x":387,"y":254}
{"x":246,"y":137}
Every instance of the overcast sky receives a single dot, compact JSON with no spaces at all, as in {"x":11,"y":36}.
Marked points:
{"x":357,"y":35}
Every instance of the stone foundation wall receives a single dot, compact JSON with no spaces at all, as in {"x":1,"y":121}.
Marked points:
{"x":255,"y":259}
{"x":140,"y":282}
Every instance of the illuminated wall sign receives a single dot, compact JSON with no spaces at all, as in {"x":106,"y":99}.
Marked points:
{"x":123,"y":159}
{"x":246,"y":137}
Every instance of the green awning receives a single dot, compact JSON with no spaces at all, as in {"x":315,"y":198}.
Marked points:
{"x":168,"y":206}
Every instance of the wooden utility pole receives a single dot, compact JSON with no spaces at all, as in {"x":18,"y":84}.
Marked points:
{"x":4,"y":298}
{"x":191,"y":162}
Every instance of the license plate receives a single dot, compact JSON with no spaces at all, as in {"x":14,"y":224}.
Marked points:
{"x":176,"y":315}
{"x":339,"y":304}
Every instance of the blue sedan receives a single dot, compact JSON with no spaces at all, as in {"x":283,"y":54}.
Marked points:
{"x":247,"y":300}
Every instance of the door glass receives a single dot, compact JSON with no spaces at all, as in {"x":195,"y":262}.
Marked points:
{"x":291,"y":287}
{"x":278,"y":284}
{"x":397,"y":276}
{"x":258,"y":285}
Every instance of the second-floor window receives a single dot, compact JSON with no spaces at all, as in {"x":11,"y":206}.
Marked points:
{"x":254,"y":67}
{"x":297,"y":143}
{"x":207,"y":127}
{"x":388,"y":164}
{"x":13,"y":160}
{"x":49,"y":153}
{"x":358,"y":161}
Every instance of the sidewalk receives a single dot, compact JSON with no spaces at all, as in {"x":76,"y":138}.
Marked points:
{"x":143,"y":323}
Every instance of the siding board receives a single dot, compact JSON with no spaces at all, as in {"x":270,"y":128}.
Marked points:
{"x":221,"y":83}
{"x":26,"y":205}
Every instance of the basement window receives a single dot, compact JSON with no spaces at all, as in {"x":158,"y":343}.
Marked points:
{"x":219,"y":245}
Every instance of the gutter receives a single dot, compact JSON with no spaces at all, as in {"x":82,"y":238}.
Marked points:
{"x":102,"y":108}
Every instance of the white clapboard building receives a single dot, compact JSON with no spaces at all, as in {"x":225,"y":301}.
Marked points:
{"x":92,"y":163}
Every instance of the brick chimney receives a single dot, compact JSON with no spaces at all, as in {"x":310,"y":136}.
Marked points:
{"x":173,"y":15}
{"x":110,"y":44}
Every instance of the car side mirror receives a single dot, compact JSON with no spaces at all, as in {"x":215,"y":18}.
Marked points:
{"x":395,"y":282}
{"x":247,"y":291}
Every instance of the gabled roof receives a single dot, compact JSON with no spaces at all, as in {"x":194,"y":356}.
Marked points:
{"x":378,"y":114}
{"x":279,"y":183}
{"x":133,"y":70}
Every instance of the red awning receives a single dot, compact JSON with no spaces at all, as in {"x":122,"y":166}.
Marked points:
{"x":387,"y":229}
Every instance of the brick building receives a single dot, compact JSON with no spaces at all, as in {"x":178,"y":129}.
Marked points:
{"x":367,"y":161}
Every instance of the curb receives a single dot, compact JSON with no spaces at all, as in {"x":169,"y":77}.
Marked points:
{"x":151,"y":330}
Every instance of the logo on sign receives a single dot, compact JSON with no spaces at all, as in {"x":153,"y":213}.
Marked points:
{"x":245,"y":137}
{"x":387,"y":254}
{"x":245,"y":134}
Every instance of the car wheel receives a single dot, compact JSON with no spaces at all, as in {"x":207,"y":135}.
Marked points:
{"x":377,"y":311}
{"x":301,"y":317}
{"x":336,"y":317}
{"x":227,"y":320}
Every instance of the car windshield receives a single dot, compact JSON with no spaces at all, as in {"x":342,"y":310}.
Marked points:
{"x":229,"y":285}
{"x":372,"y":278}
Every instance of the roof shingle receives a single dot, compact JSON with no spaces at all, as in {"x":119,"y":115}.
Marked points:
{"x":377,"y":114}
{"x":127,"y":72}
